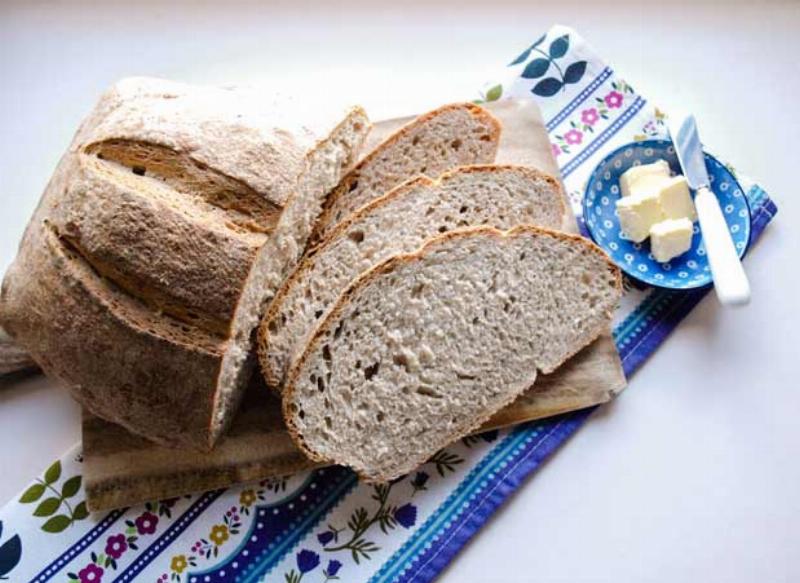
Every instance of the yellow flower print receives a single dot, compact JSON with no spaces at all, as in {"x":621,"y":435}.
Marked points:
{"x":247,"y":498}
{"x":179,"y":563}
{"x":219,"y":534}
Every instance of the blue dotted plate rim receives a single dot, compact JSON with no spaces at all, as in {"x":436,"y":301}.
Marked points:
{"x":660,"y":144}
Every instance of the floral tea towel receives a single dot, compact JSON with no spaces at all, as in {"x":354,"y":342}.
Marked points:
{"x":322,"y":525}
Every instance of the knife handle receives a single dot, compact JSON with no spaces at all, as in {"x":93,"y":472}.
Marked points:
{"x":730,"y":280}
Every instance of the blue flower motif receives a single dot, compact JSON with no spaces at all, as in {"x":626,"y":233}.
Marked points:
{"x":325,"y":537}
{"x":307,"y":560}
{"x":406,"y":515}
{"x":333,"y":568}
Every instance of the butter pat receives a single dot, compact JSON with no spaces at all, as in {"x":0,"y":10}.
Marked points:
{"x":676,"y":202}
{"x":643,"y":178}
{"x":637,"y":213}
{"x":670,"y":238}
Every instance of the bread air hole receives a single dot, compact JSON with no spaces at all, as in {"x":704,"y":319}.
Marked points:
{"x":427,"y":391}
{"x":416,"y":292}
{"x":338,"y":331}
{"x":415,"y":140}
{"x":372,"y":370}
{"x":455,"y":144}
{"x":328,"y":423}
{"x":356,"y":236}
{"x":320,"y":385}
{"x":317,"y":314}
{"x":464,"y":208}
{"x":326,"y":352}
{"x":380,"y":417}
{"x":400,"y":360}
{"x":139,"y":170}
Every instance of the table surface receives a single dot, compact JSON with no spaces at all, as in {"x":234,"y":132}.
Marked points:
{"x":693,"y":474}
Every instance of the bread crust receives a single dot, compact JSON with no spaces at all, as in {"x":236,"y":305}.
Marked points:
{"x":73,"y":298}
{"x":273,"y":377}
{"x":389,"y":265}
{"x":321,"y":228}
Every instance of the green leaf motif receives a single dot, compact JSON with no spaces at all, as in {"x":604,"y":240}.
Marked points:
{"x":80,"y":512}
{"x":494,"y":93}
{"x":47,"y":506}
{"x":547,"y":87}
{"x":56,"y":524}
{"x":559,"y":47}
{"x":53,"y":473}
{"x":535,"y":69}
{"x":71,"y":487}
{"x":32,"y":494}
{"x":574,"y":72}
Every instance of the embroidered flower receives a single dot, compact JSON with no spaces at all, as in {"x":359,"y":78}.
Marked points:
{"x":406,"y":515}
{"x":91,"y":574}
{"x":247,"y":498}
{"x":613,"y":100}
{"x":556,"y":150}
{"x":333,"y":568}
{"x":573,"y":137}
{"x":219,"y":534}
{"x":146,"y":523}
{"x":116,"y":545}
{"x":179,"y":563}
{"x":325,"y":537}
{"x":307,"y":560}
{"x":590,"y":116}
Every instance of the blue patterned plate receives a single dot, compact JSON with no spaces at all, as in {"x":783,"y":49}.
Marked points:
{"x":688,"y":271}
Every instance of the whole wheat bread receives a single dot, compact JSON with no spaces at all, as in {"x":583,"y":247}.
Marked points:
{"x":458,"y":134}
{"x":425,"y":347}
{"x":174,"y":212}
{"x":399,"y":222}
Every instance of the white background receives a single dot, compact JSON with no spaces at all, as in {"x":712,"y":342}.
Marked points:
{"x":693,"y":474}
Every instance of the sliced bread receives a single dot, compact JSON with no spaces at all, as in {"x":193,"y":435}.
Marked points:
{"x":399,"y":222}
{"x":425,"y":347}
{"x":458,"y":134}
{"x":174,"y":214}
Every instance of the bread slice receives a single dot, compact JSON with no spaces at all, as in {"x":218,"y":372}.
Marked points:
{"x":458,"y":134}
{"x":173,"y":215}
{"x":425,"y":347}
{"x":399,"y":222}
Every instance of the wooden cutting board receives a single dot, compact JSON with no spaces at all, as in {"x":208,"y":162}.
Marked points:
{"x":122,"y":469}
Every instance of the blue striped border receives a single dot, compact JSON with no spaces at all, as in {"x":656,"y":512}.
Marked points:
{"x":67,"y":556}
{"x":580,"y":98}
{"x":476,"y":499}
{"x":606,"y":135}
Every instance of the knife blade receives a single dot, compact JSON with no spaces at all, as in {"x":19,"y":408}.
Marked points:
{"x":730,"y":280}
{"x":690,"y":152}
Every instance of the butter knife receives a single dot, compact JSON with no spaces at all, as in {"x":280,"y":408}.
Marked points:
{"x":730,"y":280}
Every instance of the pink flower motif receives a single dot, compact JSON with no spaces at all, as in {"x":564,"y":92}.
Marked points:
{"x":589,"y":116}
{"x":90,"y":574}
{"x":146,"y":523}
{"x":573,"y":137}
{"x":116,"y":545}
{"x":556,"y":150}
{"x":613,"y":99}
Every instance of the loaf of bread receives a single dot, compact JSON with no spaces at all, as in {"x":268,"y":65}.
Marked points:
{"x":172,"y":218}
{"x":458,"y":134}
{"x":425,"y":347}
{"x":399,"y":222}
